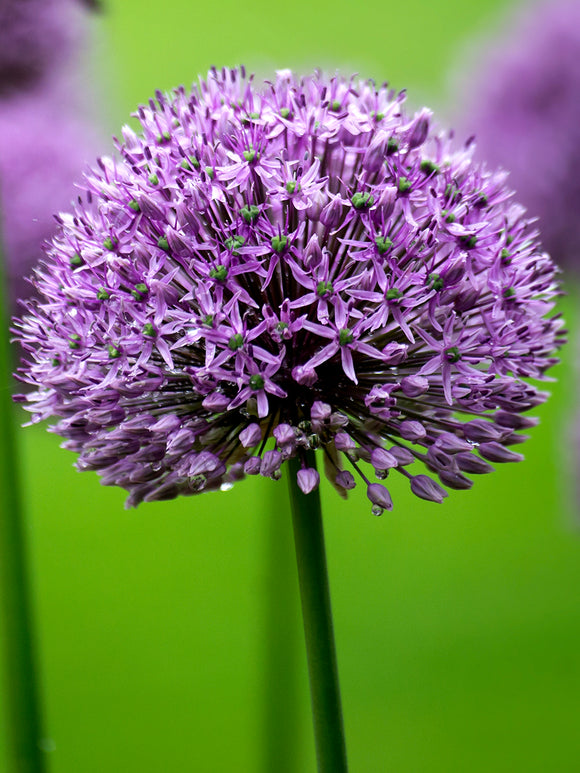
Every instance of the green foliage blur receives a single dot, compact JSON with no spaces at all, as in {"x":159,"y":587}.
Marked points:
{"x":170,"y":636}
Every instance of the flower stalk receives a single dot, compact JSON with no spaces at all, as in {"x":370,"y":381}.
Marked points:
{"x":318,"y":628}
{"x":282,"y":719}
{"x":20,"y":678}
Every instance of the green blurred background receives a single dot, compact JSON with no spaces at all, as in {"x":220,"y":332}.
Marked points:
{"x":170,"y":636}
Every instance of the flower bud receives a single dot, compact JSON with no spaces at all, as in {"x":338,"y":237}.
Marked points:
{"x":379,"y":495}
{"x":469,"y":462}
{"x":413,"y":386}
{"x":343,"y":442}
{"x":304,"y":376}
{"x":419,"y":129}
{"x":412,"y":430}
{"x":345,"y":479}
{"x":150,"y":208}
{"x":250,"y":436}
{"x":284,"y":434}
{"x":382,"y":460}
{"x":376,"y":152}
{"x":270,"y":463}
{"x":252,"y":466}
{"x":384,"y":205}
{"x":455,"y":480}
{"x":216,"y":402}
{"x":425,"y":487}
{"x":481,"y":431}
{"x":308,"y":480}
{"x":495,"y":452}
{"x":331,"y":214}
{"x":312,"y":253}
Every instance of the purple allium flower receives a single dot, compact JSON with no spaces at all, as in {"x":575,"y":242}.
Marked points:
{"x":35,"y":37}
{"x":522,"y":100}
{"x":264,"y":271}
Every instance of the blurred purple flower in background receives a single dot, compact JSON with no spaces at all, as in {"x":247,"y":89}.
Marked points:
{"x":522,"y":101}
{"x":36,"y":37}
{"x":265,"y":271}
{"x":46,"y":137}
{"x":43,"y":149}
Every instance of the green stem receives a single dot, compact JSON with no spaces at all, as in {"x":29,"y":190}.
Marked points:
{"x":282,"y":726}
{"x":21,"y":699}
{"x":318,"y":630}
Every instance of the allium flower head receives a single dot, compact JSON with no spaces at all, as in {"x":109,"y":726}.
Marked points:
{"x":522,"y":100}
{"x":264,"y":271}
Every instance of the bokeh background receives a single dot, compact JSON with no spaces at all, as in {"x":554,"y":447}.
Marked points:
{"x":170,"y":636}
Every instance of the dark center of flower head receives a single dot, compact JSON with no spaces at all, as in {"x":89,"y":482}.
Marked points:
{"x":340,"y":364}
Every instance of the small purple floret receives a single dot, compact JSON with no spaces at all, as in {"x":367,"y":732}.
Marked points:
{"x":380,"y":497}
{"x":426,"y":488}
{"x":308,"y":480}
{"x":259,"y":275}
{"x":250,"y":436}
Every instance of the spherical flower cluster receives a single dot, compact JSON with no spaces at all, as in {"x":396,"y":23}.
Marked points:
{"x":522,"y":101}
{"x":266,"y":271}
